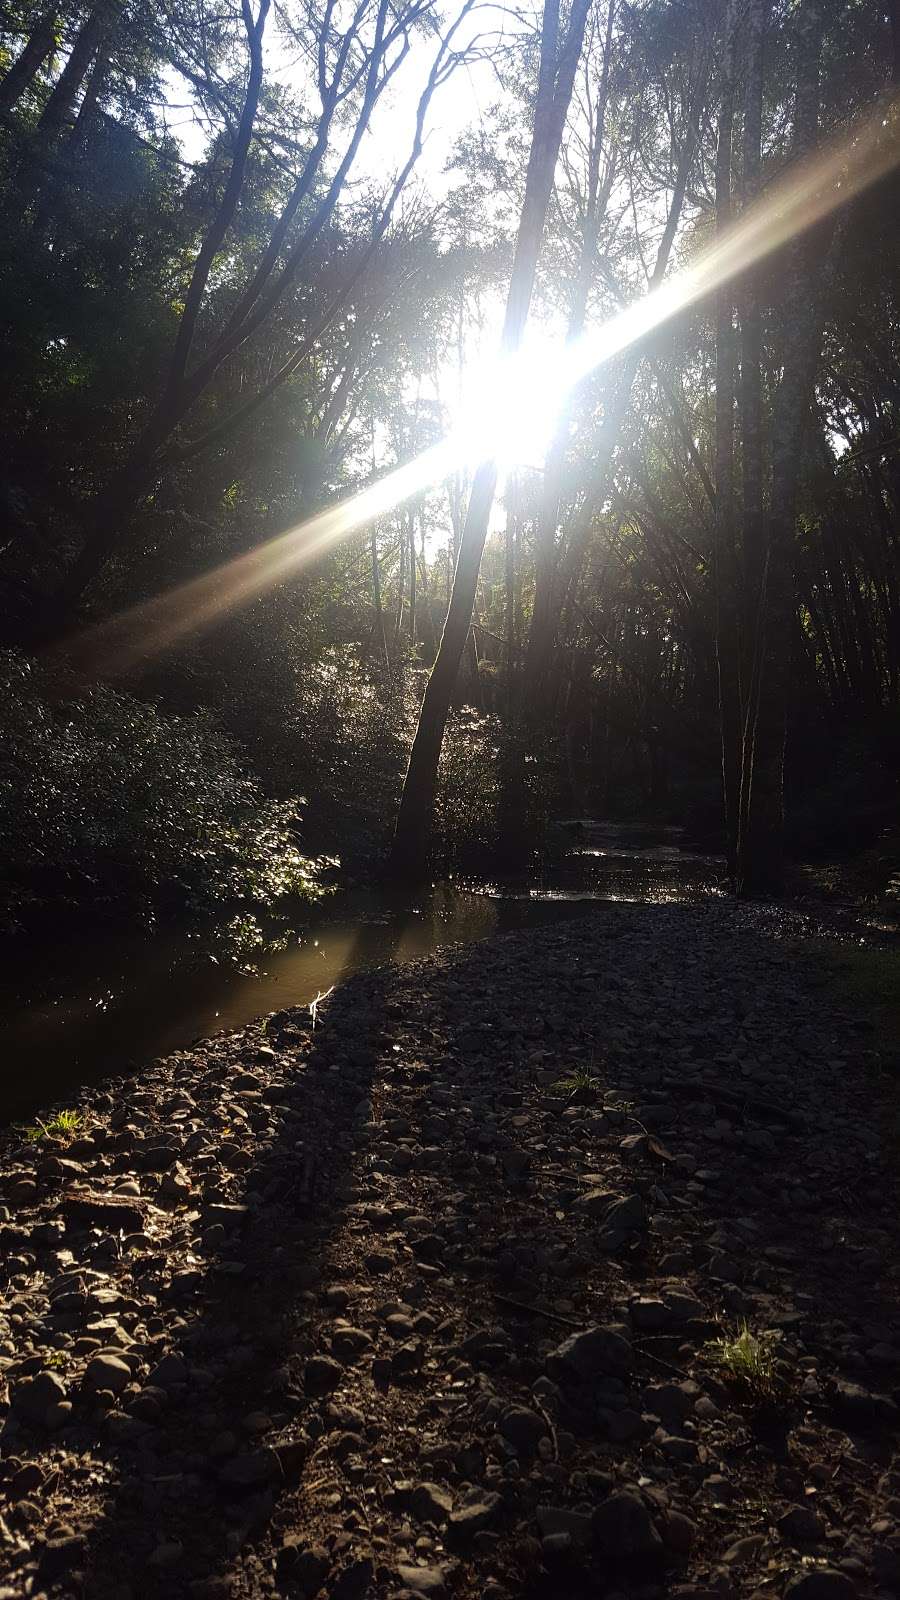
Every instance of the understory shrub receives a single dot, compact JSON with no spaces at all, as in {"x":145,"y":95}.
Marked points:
{"x":106,"y":800}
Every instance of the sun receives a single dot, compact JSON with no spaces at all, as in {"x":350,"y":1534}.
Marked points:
{"x":509,"y":407}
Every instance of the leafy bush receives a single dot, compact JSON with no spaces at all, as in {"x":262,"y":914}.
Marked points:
{"x":468,"y":794}
{"x":104,"y":797}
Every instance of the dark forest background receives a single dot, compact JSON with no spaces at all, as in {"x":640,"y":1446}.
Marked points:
{"x":208,"y":339}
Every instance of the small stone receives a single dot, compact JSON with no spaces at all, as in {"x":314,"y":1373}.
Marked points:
{"x":577,"y":1526}
{"x":679,"y":1533}
{"x":169,"y":1372}
{"x":523,"y":1429}
{"x":478,"y":1510}
{"x":430,"y":1503}
{"x":594,"y":1353}
{"x":800,"y":1525}
{"x":167,"y":1554}
{"x":348,"y":1344}
{"x":307,"y":1565}
{"x":61,"y":1554}
{"x":107,"y":1372}
{"x":624,"y":1528}
{"x":425,"y":1581}
{"x":35,"y":1397}
{"x":321,"y":1375}
{"x":355,"y":1580}
{"x":820,"y":1583}
{"x":251,"y":1471}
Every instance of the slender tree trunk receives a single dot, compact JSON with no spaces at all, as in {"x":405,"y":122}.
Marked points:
{"x":725,"y":553}
{"x":761,"y":825}
{"x":61,"y":102}
{"x":412,"y":579}
{"x":557,"y":74}
{"x":380,"y":634}
{"x":21,"y":75}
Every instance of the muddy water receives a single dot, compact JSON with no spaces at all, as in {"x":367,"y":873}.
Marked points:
{"x":111,"y":1004}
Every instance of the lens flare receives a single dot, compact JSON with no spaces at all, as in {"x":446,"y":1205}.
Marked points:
{"x":513,"y":405}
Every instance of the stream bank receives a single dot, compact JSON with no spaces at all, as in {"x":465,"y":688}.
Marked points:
{"x":419,"y":1301}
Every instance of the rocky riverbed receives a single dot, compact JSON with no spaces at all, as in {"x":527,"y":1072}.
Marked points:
{"x":418,"y":1295}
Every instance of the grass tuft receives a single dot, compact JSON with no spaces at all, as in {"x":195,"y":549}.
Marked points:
{"x":63,"y":1126}
{"x":748,"y":1360}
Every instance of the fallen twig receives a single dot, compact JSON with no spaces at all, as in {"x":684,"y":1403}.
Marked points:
{"x":739,"y":1101}
{"x":537,"y":1311}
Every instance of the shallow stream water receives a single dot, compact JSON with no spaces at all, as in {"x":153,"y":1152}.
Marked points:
{"x":108,"y":1004}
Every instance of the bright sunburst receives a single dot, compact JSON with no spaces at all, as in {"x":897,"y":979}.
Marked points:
{"x":509,"y":407}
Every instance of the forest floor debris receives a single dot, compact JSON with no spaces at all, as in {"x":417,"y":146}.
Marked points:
{"x":281,"y":1312}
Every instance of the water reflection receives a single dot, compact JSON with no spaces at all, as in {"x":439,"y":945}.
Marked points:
{"x":82,"y":1011}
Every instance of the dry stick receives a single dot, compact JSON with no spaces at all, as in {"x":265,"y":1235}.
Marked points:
{"x":739,"y":1101}
{"x":538,"y":1311}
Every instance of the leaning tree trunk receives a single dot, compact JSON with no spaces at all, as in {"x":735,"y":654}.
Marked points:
{"x":557,"y":73}
{"x":21,"y":75}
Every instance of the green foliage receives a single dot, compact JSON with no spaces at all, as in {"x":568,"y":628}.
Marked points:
{"x":468,"y":794}
{"x":61,"y":1126}
{"x":103,"y":797}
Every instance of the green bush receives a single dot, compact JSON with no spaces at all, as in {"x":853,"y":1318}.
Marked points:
{"x":468,"y":794}
{"x":105,"y":799}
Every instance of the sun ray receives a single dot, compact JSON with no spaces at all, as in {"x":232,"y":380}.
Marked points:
{"x":523,"y":392}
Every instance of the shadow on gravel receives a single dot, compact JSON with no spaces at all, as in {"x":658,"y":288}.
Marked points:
{"x":441,"y":1152}
{"x":195,"y":1484}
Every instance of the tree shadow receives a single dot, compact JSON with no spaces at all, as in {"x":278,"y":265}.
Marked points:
{"x":427,"y":1147}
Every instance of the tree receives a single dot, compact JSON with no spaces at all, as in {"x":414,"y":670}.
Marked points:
{"x":558,"y":63}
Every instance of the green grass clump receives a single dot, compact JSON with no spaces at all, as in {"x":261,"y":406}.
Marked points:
{"x":747,"y":1360}
{"x":63,"y":1126}
{"x":579,"y":1082}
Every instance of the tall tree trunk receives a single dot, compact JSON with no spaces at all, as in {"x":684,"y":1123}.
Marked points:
{"x":412,"y":579}
{"x":61,"y":102}
{"x":725,"y":553}
{"x":761,"y":825}
{"x":21,"y":75}
{"x":557,"y":74}
{"x":380,"y":634}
